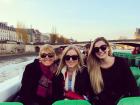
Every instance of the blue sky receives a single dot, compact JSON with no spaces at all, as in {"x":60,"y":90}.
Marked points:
{"x":79,"y":19}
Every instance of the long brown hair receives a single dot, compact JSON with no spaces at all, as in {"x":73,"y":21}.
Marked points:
{"x":94,"y":66}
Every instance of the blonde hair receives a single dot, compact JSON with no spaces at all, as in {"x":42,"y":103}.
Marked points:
{"x":46,"y":47}
{"x":94,"y":66}
{"x":62,"y":61}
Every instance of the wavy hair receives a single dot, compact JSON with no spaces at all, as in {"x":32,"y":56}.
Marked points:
{"x":62,"y":61}
{"x":47,"y":47}
{"x":94,"y":66}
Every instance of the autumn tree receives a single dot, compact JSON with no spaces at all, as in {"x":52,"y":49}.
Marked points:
{"x":22,"y":33}
{"x":60,"y":39}
{"x":66,"y":41}
{"x":53,"y":38}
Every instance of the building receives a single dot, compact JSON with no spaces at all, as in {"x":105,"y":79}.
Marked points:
{"x":7,"y":33}
{"x":37,"y":36}
{"x":45,"y":38}
{"x":34,"y":36}
{"x":31,"y":34}
{"x":137,"y":33}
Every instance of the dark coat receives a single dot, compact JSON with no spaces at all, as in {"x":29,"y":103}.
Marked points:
{"x":118,"y":82}
{"x":81,"y":87}
{"x":31,"y":77}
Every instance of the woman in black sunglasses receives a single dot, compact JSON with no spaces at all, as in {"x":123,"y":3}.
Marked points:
{"x":111,"y":78}
{"x":36,"y":86}
{"x":72,"y":79}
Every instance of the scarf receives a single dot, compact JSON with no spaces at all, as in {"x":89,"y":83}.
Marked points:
{"x":44,"y":88}
{"x":69,"y":84}
{"x":69,"y":81}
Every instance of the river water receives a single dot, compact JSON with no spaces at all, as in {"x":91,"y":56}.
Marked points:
{"x":13,"y":65}
{"x":8,"y":60}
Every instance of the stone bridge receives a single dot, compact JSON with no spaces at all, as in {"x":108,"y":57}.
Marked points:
{"x":14,"y":48}
{"x":85,"y":42}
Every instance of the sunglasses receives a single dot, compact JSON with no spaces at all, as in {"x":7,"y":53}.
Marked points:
{"x":102,"y":47}
{"x":74,"y":57}
{"x":44,"y":55}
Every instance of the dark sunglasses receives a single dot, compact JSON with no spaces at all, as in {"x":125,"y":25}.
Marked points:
{"x":102,"y":47}
{"x":74,"y":57}
{"x":44,"y":55}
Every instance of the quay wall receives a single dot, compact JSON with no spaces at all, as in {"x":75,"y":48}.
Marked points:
{"x":14,"y":48}
{"x":17,"y":48}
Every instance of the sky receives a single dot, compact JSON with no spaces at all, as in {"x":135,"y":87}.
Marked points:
{"x":82,"y":20}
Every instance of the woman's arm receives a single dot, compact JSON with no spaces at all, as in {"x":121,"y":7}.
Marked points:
{"x":130,"y":82}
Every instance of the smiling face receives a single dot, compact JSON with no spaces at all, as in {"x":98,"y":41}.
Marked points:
{"x":47,"y":57}
{"x":101,"y":49}
{"x":71,"y":58}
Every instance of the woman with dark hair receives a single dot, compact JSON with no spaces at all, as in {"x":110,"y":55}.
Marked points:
{"x":85,"y":52}
{"x":36,"y":86}
{"x":110,"y":76}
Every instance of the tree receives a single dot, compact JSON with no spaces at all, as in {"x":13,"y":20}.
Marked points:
{"x":53,"y":38}
{"x":60,"y":39}
{"x":22,"y":33}
{"x":67,"y":41}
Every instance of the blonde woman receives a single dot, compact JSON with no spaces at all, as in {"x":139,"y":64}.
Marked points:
{"x":110,"y":76}
{"x":36,"y":86}
{"x":72,"y":80}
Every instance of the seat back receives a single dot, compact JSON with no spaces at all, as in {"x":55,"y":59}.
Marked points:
{"x":71,"y":102}
{"x":10,"y":103}
{"x":129,"y":101}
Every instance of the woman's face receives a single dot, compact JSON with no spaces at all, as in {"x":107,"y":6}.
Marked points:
{"x":47,"y":58}
{"x":71,"y":58}
{"x":101,"y":49}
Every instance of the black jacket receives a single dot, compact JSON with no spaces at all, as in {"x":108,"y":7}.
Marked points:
{"x":118,"y":82}
{"x":81,"y":87}
{"x":30,"y":79}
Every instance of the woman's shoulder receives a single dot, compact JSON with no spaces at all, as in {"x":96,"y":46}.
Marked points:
{"x":83,"y":70}
{"x":120,"y":59}
{"x":121,"y":62}
{"x":32,"y":67}
{"x":58,"y":77}
{"x":36,"y":61}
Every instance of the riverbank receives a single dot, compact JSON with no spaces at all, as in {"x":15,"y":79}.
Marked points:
{"x":18,"y":54}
